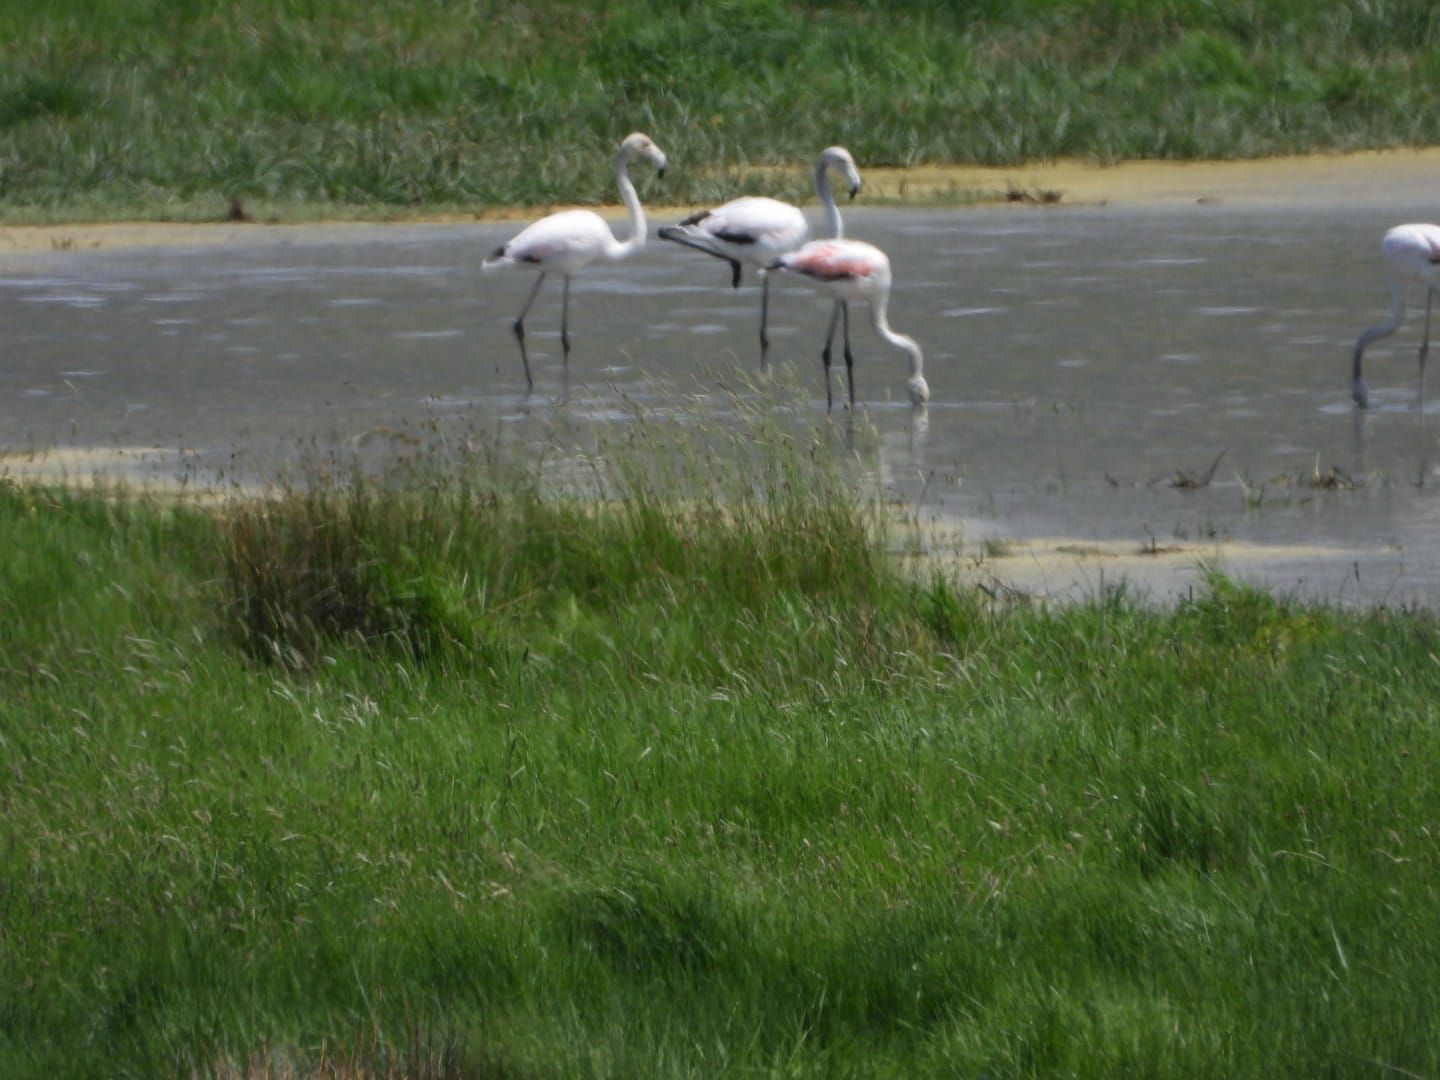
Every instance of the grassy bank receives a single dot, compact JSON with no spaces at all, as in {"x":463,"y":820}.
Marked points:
{"x":111,"y":109}
{"x":456,"y":773}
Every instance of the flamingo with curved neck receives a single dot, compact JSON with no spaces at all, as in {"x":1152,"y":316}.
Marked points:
{"x":852,"y":270}
{"x":1411,"y":254}
{"x":570,"y":240}
{"x":759,"y":230}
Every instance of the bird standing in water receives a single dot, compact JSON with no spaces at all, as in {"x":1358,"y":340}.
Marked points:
{"x":852,"y":270}
{"x":570,"y":240}
{"x":1411,"y":253}
{"x":759,"y":230}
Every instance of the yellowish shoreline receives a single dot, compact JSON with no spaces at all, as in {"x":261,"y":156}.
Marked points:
{"x":1314,"y":180}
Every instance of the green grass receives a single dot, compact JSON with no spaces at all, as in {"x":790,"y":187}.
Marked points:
{"x":170,"y":109}
{"x":459,"y":770}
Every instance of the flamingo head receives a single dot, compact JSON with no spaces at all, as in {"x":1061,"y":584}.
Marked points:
{"x":919,"y":390}
{"x":641,"y":145}
{"x":837,"y":157}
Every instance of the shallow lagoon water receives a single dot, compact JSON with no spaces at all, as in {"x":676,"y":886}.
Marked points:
{"x":1088,"y":365}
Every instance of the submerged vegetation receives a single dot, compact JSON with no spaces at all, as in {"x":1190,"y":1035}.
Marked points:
{"x":117,"y":108}
{"x":649,"y":761}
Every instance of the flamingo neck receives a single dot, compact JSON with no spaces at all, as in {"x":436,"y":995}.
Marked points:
{"x":638,"y":227}
{"x":916,"y":385}
{"x":834,"y":227}
{"x":1375,"y":333}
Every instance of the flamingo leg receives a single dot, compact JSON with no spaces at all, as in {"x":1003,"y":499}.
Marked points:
{"x":1425,"y":342}
{"x":825,"y":355}
{"x":565,"y":321}
{"x":764,"y":318}
{"x":519,"y":327}
{"x":849,"y":358}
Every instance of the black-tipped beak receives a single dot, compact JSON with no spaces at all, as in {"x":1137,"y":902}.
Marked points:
{"x":853,"y":192}
{"x":660,"y":173}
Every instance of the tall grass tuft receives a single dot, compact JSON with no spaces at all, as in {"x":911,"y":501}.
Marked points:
{"x":466,"y":551}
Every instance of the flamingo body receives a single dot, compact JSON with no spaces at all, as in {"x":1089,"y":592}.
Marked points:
{"x":754,"y":229}
{"x":758,"y":230}
{"x":568,"y":241}
{"x":565,"y":242}
{"x":853,"y":271}
{"x":1411,"y":254}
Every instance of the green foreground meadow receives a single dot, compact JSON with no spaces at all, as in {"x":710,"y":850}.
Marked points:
{"x":462,"y":771}
{"x":144,"y":108}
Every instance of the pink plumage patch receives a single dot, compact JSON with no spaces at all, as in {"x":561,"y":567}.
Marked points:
{"x":831,"y":265}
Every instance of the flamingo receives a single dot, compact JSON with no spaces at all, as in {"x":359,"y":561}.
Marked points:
{"x":760,"y":230}
{"x":852,"y":270}
{"x":1411,"y":253}
{"x":572,"y":239}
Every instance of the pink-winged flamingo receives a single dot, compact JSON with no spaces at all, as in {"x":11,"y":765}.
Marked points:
{"x":572,"y":239}
{"x":852,"y":270}
{"x":1411,"y":253}
{"x":758,"y":230}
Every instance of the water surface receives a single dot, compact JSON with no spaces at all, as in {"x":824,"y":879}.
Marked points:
{"x":1088,"y":366}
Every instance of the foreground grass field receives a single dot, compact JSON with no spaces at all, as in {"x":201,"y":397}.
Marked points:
{"x":454,"y":773}
{"x":135,"y":109}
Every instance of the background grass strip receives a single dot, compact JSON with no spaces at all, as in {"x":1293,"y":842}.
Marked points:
{"x":165,"y":109}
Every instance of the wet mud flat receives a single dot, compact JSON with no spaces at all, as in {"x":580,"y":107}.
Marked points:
{"x":1122,"y":391}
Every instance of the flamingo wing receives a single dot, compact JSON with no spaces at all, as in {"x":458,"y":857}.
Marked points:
{"x":1431,"y":239}
{"x":567,"y":240}
{"x":757,"y":221}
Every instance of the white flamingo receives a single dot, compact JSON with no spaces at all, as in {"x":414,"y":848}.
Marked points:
{"x":572,"y":239}
{"x":758,"y":230}
{"x":851,"y":270}
{"x":1411,"y":253}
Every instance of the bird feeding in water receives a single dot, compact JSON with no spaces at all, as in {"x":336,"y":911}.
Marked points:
{"x":759,"y":230}
{"x":570,"y":240}
{"x":852,"y":270}
{"x":1411,"y":254}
